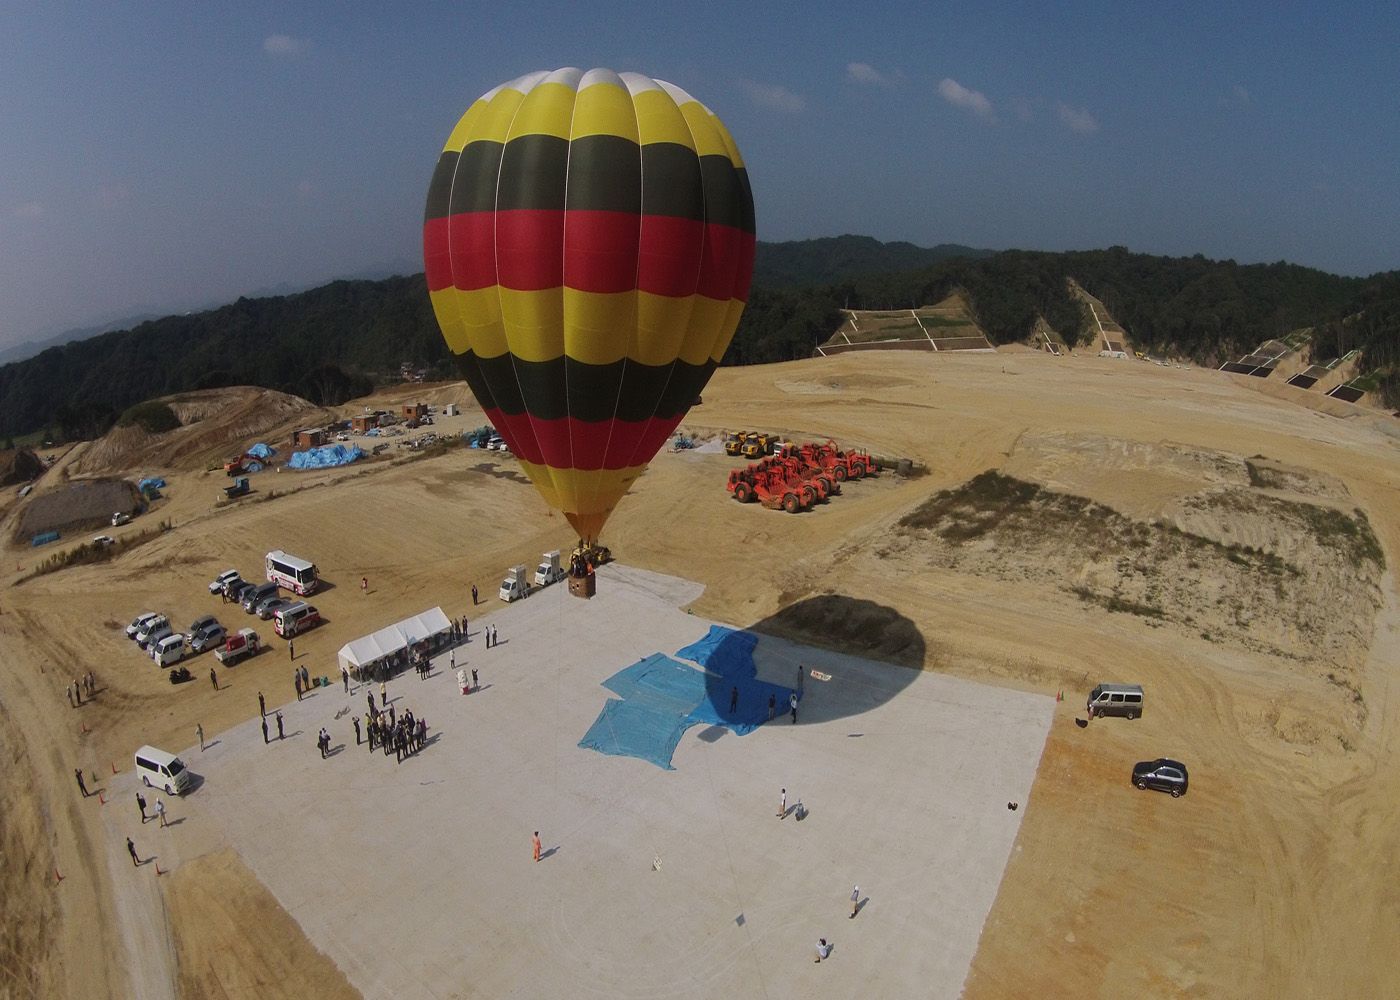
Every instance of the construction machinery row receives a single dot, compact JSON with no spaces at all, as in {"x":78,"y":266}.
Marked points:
{"x":795,"y":477}
{"x":751,"y":444}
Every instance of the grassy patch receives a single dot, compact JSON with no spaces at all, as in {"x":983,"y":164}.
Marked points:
{"x":94,"y":552}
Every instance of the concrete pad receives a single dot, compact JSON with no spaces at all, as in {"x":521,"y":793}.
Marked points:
{"x":417,"y":878}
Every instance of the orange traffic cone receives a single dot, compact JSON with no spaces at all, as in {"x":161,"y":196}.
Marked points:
{"x":102,"y":798}
{"x":114,"y":767}
{"x":57,"y":875}
{"x":158,"y":869}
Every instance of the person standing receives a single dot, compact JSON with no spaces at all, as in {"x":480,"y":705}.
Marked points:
{"x":855,"y":901}
{"x":199,"y":731}
{"x":345,"y":677}
{"x":476,"y":685}
{"x":264,"y":725}
{"x":69,"y":692}
{"x":536,"y":841}
{"x":279,"y":725}
{"x":364,"y":584}
{"x":369,"y":696}
{"x":782,"y":804}
{"x":160,"y":812}
{"x":733,"y":699}
{"x":77,"y":692}
{"x":772,"y":706}
{"x":801,"y":672}
{"x":305,"y":680}
{"x":291,"y":650}
{"x":214,"y":678}
{"x":131,"y":849}
{"x":356,"y":720}
{"x":82,"y":786}
{"x":792,"y":702}
{"x":296,"y":682}
{"x":141,"y":802}
{"x":262,"y":705}
{"x":473,"y":595}
{"x":383,"y":694}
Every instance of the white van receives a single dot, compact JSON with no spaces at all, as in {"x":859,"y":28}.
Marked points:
{"x":159,"y":769}
{"x":169,"y":650}
{"x":295,"y":619}
{"x":1116,"y":699}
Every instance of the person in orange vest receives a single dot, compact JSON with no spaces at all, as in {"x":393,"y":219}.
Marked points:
{"x":536,"y":840}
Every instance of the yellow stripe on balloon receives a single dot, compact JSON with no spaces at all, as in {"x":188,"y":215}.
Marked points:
{"x":546,"y":110}
{"x":604,"y":109}
{"x":659,"y":120}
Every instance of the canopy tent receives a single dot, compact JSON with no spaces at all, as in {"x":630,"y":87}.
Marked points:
{"x":393,"y":640}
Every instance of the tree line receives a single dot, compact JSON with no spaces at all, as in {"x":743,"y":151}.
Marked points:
{"x":332,"y":343}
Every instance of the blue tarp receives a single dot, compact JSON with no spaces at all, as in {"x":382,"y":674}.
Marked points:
{"x":151,"y":482}
{"x":326,"y":457}
{"x":724,"y":651}
{"x":262,"y":451}
{"x":662,"y":698}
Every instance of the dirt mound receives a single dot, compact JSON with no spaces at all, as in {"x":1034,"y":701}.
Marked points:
{"x":85,"y":504}
{"x":1243,"y":567}
{"x":18,"y":465}
{"x":215,"y":423}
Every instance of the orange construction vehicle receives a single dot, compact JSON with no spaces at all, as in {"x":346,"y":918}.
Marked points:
{"x":771,"y":487}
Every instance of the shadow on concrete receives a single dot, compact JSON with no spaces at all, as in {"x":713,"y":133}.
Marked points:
{"x":832,"y":622}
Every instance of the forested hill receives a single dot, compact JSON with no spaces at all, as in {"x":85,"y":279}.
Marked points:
{"x":833,"y":259}
{"x":328,"y":343}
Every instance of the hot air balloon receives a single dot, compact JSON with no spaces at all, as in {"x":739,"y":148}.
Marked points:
{"x":588,"y":244}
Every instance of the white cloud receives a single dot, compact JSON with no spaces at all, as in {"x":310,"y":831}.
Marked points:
{"x":866,"y":73}
{"x":773,"y":97}
{"x":29,"y":210}
{"x":282,"y":45}
{"x":960,"y":97}
{"x":1078,"y":119}
{"x":1237,"y":98}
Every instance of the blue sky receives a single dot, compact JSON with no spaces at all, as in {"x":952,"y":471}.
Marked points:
{"x":159,"y":157}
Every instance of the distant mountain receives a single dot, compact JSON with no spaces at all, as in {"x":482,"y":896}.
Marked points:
{"x":325,"y":344}
{"x":833,"y":259}
{"x":32,"y":347}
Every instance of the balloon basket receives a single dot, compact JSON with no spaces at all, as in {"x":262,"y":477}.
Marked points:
{"x":583,"y":586}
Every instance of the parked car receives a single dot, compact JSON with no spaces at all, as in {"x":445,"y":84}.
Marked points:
{"x":140,"y":622}
{"x":236,"y":590}
{"x":1163,"y":774}
{"x":151,"y":625}
{"x":222,"y":581}
{"x":269,"y":608}
{"x":209,"y":637}
{"x":119,"y":518}
{"x":168,"y":650}
{"x":201,"y":623}
{"x":156,"y":634}
{"x":256,"y":595}
{"x":104,"y":540}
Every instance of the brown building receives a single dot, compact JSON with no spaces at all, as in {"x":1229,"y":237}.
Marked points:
{"x":415,"y":411}
{"x":364,"y":422}
{"x":308,"y":439}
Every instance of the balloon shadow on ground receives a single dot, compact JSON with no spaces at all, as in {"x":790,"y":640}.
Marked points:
{"x":830,"y":623}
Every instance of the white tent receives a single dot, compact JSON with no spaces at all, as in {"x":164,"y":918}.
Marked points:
{"x":393,"y":639}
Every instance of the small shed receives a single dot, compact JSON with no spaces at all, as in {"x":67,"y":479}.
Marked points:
{"x":364,"y":422}
{"x":308,"y":439}
{"x":450,"y":410}
{"x":415,"y":411}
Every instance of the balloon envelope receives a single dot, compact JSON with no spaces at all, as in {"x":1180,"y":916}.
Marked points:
{"x":588,"y":244}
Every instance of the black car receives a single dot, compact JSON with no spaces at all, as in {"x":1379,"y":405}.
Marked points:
{"x":1163,"y":774}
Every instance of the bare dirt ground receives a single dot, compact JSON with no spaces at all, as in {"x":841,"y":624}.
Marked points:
{"x":1262,"y":881}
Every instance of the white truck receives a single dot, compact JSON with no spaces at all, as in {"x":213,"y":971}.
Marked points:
{"x":238,"y":647}
{"x":516,"y":584}
{"x":549,"y":570}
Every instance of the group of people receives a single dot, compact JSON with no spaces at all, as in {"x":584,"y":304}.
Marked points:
{"x":402,"y":737}
{"x":85,"y":685}
{"x":301,"y":680}
{"x":323,"y":742}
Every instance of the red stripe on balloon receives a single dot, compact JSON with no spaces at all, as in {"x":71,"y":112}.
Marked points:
{"x":569,"y":443}
{"x":591,"y":251}
{"x":437,"y":264}
{"x":472,"y":247}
